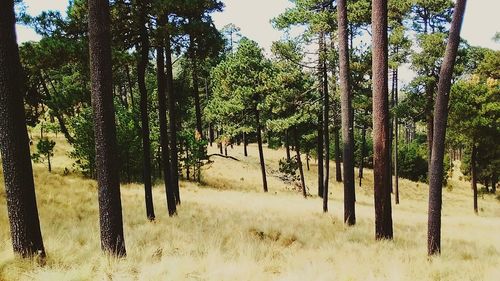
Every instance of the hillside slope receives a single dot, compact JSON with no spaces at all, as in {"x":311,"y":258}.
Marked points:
{"x":227,"y":229}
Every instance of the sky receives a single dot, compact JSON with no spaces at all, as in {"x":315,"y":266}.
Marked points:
{"x":480,"y":24}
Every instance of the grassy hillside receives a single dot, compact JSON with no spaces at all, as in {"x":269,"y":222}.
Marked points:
{"x":227,"y":229}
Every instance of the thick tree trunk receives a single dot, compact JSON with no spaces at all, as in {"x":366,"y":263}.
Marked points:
{"x":162,"y":115}
{"x":108,"y":179}
{"x":381,"y":145}
{"x":299,"y":162}
{"x":172,"y":101}
{"x":440,"y":120}
{"x":347,"y":116}
{"x":141,"y":81}
{"x":14,"y":144}
{"x":261,"y":150}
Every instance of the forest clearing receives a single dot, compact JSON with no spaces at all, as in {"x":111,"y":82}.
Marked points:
{"x":249,"y":140}
{"x":227,"y":229}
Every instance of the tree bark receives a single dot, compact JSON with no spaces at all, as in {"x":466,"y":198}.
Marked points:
{"x":320,"y":143}
{"x":172,"y":101}
{"x":141,"y":81}
{"x":396,"y":140}
{"x":440,"y":119}
{"x":326,"y":129}
{"x":287,"y":146}
{"x":347,"y":116}
{"x":381,"y":145}
{"x":108,"y":178}
{"x":261,"y":151}
{"x":14,"y":143}
{"x":338,"y":161}
{"x":162,"y":115}
{"x":245,"y":144}
{"x":362,"y":156}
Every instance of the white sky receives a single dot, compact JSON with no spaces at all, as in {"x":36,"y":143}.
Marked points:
{"x":253,"y":17}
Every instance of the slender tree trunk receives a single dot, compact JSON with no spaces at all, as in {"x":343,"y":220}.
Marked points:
{"x":245,"y":144}
{"x":130,"y":84}
{"x":338,"y":160}
{"x":473,"y":165}
{"x":320,"y":140}
{"x":108,"y":178}
{"x":172,"y":101}
{"x":326,"y":117}
{"x":261,"y":151}
{"x":362,"y":156}
{"x":287,"y":146}
{"x":142,"y":64}
{"x":396,"y":140}
{"x":307,"y":161}
{"x":299,"y":162}
{"x":162,"y":115}
{"x":347,"y":116}
{"x":381,"y":145}
{"x":197,"y":106}
{"x":440,"y":120}
{"x":14,"y":144}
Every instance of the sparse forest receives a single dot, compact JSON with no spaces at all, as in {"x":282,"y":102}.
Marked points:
{"x":186,"y":151}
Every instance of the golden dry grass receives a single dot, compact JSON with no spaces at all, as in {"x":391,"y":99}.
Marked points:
{"x":227,"y":229}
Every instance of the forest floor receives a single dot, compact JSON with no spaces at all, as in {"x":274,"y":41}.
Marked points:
{"x":228,"y":229}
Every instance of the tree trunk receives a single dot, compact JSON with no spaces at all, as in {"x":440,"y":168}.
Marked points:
{"x":287,"y":146}
{"x":245,"y":144}
{"x":320,"y":143}
{"x":172,"y":101}
{"x":440,"y":120}
{"x":196,"y":93}
{"x":141,"y":81}
{"x":162,"y":115}
{"x":261,"y":151}
{"x":108,"y":178}
{"x":362,"y":156}
{"x":347,"y":116}
{"x":396,"y":140}
{"x":381,"y":145}
{"x":473,"y":165}
{"x":338,"y":160}
{"x":307,"y":161}
{"x":326,"y":130}
{"x":299,"y":162}
{"x":14,"y":144}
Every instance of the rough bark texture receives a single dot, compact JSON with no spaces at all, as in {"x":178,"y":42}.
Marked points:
{"x":141,"y":81}
{"x":162,"y":115}
{"x":17,"y":170}
{"x":440,"y":119}
{"x":172,"y":102}
{"x":381,"y":145}
{"x":338,"y":161}
{"x":108,"y":179}
{"x":245,"y":144}
{"x":261,"y":151}
{"x":362,"y":156}
{"x":347,"y":117}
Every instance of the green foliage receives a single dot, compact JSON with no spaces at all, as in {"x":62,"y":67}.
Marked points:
{"x":45,"y":150}
{"x":412,"y":163}
{"x":195,"y":152}
{"x":289,"y":167}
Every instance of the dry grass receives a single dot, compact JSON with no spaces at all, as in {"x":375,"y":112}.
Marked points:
{"x":232,"y":231}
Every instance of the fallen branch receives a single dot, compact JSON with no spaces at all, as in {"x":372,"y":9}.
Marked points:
{"x":223,"y":156}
